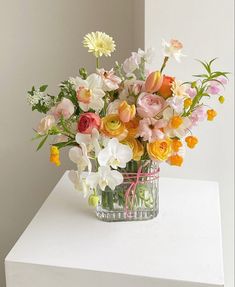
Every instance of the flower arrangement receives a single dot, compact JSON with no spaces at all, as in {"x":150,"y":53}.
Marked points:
{"x":120,"y":124}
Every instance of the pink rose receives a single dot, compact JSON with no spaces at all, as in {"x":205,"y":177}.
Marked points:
{"x":149,"y":105}
{"x":45,"y":124}
{"x":150,"y":129}
{"x":64,"y":109}
{"x":87,"y":122}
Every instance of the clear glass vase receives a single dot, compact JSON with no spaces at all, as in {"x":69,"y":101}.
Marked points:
{"x":136,"y":198}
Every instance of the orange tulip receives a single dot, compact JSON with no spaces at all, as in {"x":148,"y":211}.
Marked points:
{"x":153,"y":82}
{"x":165,"y":90}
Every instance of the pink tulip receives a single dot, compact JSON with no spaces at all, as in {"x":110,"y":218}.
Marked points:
{"x":153,"y":82}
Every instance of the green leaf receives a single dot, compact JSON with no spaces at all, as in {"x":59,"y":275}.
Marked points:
{"x":201,"y":76}
{"x":211,"y":61}
{"x":64,"y":144}
{"x":43,"y":88}
{"x":38,"y":136}
{"x":205,"y":65}
{"x":42,"y":142}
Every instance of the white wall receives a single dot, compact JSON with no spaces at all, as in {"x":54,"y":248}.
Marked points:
{"x":41,"y":43}
{"x":206,"y":29}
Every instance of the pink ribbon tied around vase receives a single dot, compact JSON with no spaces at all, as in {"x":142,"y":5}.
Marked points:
{"x":134,"y":179}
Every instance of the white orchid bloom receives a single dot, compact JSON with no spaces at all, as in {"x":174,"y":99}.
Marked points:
{"x":115,"y":154}
{"x":79,"y":181}
{"x":173,"y":49}
{"x":90,"y":140}
{"x":89,"y":92}
{"x":179,"y":132}
{"x":104,"y":177}
{"x":79,"y":156}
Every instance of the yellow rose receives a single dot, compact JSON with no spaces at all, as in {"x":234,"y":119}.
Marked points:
{"x":112,"y":126}
{"x":136,"y":146}
{"x":159,"y":150}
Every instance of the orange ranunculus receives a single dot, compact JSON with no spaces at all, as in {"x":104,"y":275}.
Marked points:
{"x":176,"y":160}
{"x":112,"y":126}
{"x":55,"y":155}
{"x":176,"y":121}
{"x":126,"y":112}
{"x":132,"y":127}
{"x":191,"y":141}
{"x":159,"y":150}
{"x":136,"y":146}
{"x":176,"y":145}
{"x":165,"y":90}
{"x":211,"y":114}
{"x":153,"y":82}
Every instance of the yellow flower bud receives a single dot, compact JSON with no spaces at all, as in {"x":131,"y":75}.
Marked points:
{"x":221,"y":99}
{"x":93,"y":200}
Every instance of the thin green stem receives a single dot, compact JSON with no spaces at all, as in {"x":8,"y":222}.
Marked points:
{"x":97,"y":62}
{"x":164,"y":64}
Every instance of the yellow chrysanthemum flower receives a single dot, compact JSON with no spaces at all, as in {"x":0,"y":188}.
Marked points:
{"x":99,"y":44}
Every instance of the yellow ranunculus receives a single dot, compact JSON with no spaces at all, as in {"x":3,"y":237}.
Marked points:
{"x":136,"y":146}
{"x":112,"y":126}
{"x":55,"y":155}
{"x":159,"y":150}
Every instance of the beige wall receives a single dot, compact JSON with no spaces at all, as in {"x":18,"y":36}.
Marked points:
{"x":41,"y":43}
{"x":206,"y":29}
